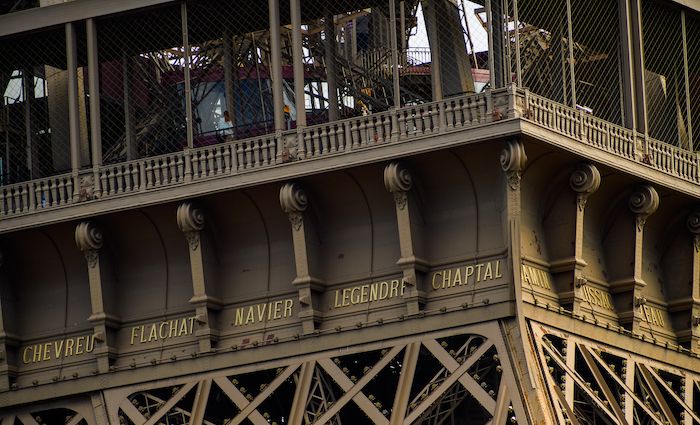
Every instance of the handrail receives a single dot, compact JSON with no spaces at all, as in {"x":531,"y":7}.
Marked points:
{"x":336,"y":137}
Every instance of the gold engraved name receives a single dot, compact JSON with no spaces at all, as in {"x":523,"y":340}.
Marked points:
{"x":162,"y":330}
{"x":536,"y":277}
{"x":58,"y":349}
{"x":653,"y":315}
{"x":257,"y":313}
{"x":597,"y":297}
{"x":370,"y":292}
{"x":449,"y":278}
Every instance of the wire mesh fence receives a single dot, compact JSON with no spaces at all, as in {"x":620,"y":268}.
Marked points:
{"x":569,"y":52}
{"x":35,"y":106}
{"x":664,"y":75}
{"x":141,"y":61}
{"x":196,"y":73}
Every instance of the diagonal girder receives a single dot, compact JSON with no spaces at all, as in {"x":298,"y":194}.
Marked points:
{"x":253,"y":405}
{"x":165,"y":408}
{"x":488,"y":403}
{"x":239,"y":399}
{"x":456,"y":375}
{"x":353,"y":391}
{"x":688,"y":409}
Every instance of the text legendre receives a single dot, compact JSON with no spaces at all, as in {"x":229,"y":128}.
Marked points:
{"x":162,"y":330}
{"x":466,"y":275}
{"x":369,"y":292}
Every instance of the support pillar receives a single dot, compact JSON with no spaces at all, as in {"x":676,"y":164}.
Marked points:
{"x":191,"y":220}
{"x":129,"y":118}
{"x":294,"y":203}
{"x":693,"y":225}
{"x":94,"y":89}
{"x":637,"y":48}
{"x":228,"y":78}
{"x":188,"y":80}
{"x":331,"y":74}
{"x":8,"y":340}
{"x":627,"y":64}
{"x":394,"y":54}
{"x":298,"y":63}
{"x":628,"y":291}
{"x":73,"y":112}
{"x":398,"y":181}
{"x":429,"y":11}
{"x":89,"y":239}
{"x":276,"y":64}
{"x":584,"y":181}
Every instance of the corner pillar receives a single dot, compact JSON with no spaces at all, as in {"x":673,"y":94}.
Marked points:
{"x":294,"y":203}
{"x":190,"y":220}
{"x":89,"y":239}
{"x":398,"y":181}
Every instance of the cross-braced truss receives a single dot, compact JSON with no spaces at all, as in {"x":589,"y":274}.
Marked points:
{"x":435,"y":379}
{"x":589,"y":383}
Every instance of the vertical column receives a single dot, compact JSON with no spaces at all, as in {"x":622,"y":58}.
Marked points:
{"x":298,"y":63}
{"x":294,"y":203}
{"x":228,"y":78}
{"x":188,"y":82}
{"x":394,"y":54}
{"x":398,"y":181}
{"x":7,"y":339}
{"x":637,"y":47}
{"x":190,"y":220}
{"x":689,"y":116}
{"x":28,"y":94}
{"x":570,"y":45}
{"x":584,"y":181}
{"x":629,"y":112}
{"x":429,"y":11}
{"x":276,"y":64}
{"x":496,"y":25}
{"x":694,"y":228}
{"x":94,"y":89}
{"x":331,"y":74}
{"x":89,"y":239}
{"x":129,"y":118}
{"x":643,"y":202}
{"x":73,"y":113}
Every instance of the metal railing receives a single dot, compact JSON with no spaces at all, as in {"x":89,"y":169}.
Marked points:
{"x":337,"y":137}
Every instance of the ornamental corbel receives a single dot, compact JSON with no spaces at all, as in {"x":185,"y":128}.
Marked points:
{"x":398,"y":181}
{"x":643,"y":202}
{"x":294,"y":202}
{"x":190,"y":220}
{"x":513,"y":159}
{"x":585,"y":180}
{"x":89,"y":239}
{"x":693,"y":225}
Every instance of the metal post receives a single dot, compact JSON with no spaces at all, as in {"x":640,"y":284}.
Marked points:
{"x":228,"y":77}
{"x":489,"y":28}
{"x":188,"y":81}
{"x":298,"y":63}
{"x":94,"y":87}
{"x":28,"y":93}
{"x":436,"y":74}
{"x":687,"y":83}
{"x":518,"y":70}
{"x":276,"y":64}
{"x":627,"y":65}
{"x":73,"y":113}
{"x":570,"y":34}
{"x":331,"y":76}
{"x":129,"y":119}
{"x":402,"y":17}
{"x":394,"y":54}
{"x":638,"y":65}
{"x":496,"y":25}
